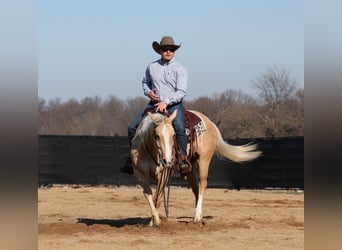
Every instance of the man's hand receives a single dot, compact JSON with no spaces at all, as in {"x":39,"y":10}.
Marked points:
{"x":153,"y":96}
{"x":160,"y":107}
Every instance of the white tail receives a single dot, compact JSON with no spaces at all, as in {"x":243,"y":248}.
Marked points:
{"x":241,"y":153}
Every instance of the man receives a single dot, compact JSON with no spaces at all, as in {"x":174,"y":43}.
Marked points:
{"x":165,"y":83}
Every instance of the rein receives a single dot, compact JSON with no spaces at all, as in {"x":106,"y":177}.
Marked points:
{"x":165,"y":179}
{"x":156,"y":161}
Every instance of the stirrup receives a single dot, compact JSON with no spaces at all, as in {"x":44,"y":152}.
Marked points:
{"x":184,"y":167}
{"x":127,"y":168}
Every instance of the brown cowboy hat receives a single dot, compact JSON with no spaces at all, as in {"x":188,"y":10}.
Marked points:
{"x":166,"y":41}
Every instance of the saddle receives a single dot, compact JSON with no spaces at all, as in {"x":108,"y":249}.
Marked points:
{"x":191,"y":121}
{"x":193,"y":128}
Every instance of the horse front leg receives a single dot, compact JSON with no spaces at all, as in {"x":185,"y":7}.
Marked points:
{"x":143,"y":181}
{"x":155,"y":219}
{"x":147,"y":191}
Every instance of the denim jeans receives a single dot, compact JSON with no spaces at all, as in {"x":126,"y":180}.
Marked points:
{"x":178,"y":123}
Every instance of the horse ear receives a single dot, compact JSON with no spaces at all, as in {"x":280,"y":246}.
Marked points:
{"x":172,"y":117}
{"x":151,"y":116}
{"x":155,"y":120}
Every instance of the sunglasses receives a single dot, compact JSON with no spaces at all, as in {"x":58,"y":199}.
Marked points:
{"x":168,"y":49}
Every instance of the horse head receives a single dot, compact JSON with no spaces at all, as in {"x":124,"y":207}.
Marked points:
{"x":165,"y":136}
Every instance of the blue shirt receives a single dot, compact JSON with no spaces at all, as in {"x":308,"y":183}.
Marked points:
{"x":168,"y":79}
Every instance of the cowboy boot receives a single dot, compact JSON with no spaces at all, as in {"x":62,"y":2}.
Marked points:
{"x":184,"y":165}
{"x":127,"y":168}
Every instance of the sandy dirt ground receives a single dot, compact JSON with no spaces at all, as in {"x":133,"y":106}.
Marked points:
{"x":79,"y":217}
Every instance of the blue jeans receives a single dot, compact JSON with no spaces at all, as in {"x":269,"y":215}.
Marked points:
{"x":178,"y":123}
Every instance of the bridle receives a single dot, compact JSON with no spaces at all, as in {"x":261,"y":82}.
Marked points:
{"x":166,"y":173}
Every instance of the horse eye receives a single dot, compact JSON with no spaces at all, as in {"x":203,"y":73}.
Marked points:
{"x":156,"y":137}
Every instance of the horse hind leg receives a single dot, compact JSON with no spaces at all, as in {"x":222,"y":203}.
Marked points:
{"x":193,"y":179}
{"x":203,"y":175}
{"x":198,"y":210}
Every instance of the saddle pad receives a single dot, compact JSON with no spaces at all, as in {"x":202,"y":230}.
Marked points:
{"x":192,"y":121}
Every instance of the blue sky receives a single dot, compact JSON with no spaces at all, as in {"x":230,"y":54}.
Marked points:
{"x":89,"y":47}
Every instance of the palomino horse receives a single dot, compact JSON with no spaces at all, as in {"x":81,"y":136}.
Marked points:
{"x":153,"y":156}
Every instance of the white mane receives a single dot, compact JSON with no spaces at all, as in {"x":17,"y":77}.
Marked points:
{"x":144,"y":126}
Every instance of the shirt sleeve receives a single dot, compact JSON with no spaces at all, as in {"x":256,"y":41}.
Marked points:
{"x":147,"y":82}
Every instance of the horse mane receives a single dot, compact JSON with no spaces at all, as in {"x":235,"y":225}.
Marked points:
{"x":144,"y":128}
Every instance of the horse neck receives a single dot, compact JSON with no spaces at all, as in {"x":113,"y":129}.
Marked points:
{"x":149,"y":142}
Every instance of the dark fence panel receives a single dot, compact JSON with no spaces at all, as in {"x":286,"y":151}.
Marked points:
{"x":96,"y":160}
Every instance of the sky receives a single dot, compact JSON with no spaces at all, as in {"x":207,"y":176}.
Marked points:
{"x":90,"y":48}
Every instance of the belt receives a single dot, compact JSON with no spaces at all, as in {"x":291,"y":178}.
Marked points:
{"x":174,"y":104}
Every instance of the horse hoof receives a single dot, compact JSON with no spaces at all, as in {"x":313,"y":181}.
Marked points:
{"x":197,"y":220}
{"x":163,"y":218}
{"x":154,"y":223}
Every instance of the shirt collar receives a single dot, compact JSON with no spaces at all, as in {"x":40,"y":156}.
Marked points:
{"x":171,"y":61}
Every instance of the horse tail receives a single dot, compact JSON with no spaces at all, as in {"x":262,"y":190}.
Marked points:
{"x":241,"y":153}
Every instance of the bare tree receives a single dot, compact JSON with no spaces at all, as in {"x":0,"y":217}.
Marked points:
{"x":55,"y":103}
{"x":236,"y":114}
{"x":278,"y":112}
{"x":133,"y":106}
{"x":277,"y":91}
{"x":91,"y":104}
{"x":232,"y":111}
{"x":113,"y":115}
{"x":41,"y":105}
{"x":275,"y":87}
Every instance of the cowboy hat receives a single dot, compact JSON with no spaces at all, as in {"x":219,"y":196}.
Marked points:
{"x":166,"y":41}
